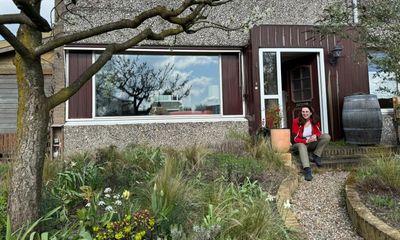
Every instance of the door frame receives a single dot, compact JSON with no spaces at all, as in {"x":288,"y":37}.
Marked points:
{"x":321,"y":83}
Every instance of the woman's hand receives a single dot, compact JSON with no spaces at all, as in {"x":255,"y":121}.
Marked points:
{"x":313,"y":138}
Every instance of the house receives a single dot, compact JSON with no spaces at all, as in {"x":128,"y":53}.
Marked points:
{"x":9,"y":97}
{"x":220,"y":80}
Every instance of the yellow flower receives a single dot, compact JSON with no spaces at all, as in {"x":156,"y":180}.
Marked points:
{"x":119,"y":235}
{"x":96,"y":228}
{"x":138,"y":236}
{"x":151,"y":222}
{"x":127,"y":229}
{"x":126,"y":194}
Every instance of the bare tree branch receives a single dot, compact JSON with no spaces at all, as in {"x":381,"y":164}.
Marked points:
{"x":15,"y":43}
{"x":34,"y":15}
{"x":15,"y":18}
{"x":169,"y":15}
{"x":67,"y":92}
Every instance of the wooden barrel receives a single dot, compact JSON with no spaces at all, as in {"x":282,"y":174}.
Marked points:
{"x":362,"y":119}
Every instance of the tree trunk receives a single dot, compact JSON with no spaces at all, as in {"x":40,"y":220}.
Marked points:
{"x":32,"y":130}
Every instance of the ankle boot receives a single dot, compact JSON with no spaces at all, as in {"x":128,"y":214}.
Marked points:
{"x":316,"y":159}
{"x":307,"y":174}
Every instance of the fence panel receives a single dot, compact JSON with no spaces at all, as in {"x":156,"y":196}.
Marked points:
{"x":7,"y":145}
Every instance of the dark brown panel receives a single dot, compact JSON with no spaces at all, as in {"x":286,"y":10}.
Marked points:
{"x":80,"y":105}
{"x":348,"y":76}
{"x":231,"y":85}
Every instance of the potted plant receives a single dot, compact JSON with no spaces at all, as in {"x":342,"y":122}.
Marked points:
{"x":280,"y":137}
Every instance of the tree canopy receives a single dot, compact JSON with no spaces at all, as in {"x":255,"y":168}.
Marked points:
{"x":377,"y":27}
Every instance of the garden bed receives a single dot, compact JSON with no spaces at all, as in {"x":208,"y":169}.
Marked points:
{"x":152,"y":193}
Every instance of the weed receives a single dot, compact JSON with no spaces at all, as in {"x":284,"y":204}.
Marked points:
{"x":382,"y":201}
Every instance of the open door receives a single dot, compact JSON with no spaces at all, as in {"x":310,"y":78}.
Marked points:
{"x":290,"y":78}
{"x":300,"y":78}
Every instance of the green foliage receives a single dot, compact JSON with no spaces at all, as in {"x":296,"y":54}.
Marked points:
{"x":50,"y":170}
{"x":378,"y":29}
{"x":382,"y":171}
{"x":140,"y":225}
{"x":5,"y":169}
{"x":29,"y":230}
{"x":235,"y":168}
{"x":136,"y":163}
{"x":173,"y":199}
{"x":190,"y":193}
{"x":3,"y":213}
{"x":259,"y":148}
{"x":195,"y":156}
{"x":241,"y":212}
{"x":382,"y":201}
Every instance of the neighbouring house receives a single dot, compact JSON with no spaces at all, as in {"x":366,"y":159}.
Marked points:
{"x":195,"y":88}
{"x":9,"y":98}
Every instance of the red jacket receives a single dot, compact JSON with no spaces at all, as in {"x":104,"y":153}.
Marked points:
{"x":297,"y":131}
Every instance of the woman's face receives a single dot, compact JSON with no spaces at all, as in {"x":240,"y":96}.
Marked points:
{"x":306,"y":113}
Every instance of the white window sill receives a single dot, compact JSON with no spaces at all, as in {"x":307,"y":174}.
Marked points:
{"x":143,"y":120}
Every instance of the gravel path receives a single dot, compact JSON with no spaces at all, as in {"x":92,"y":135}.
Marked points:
{"x":320,"y":208}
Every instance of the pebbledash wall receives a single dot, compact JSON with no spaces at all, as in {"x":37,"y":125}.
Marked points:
{"x":90,"y":133}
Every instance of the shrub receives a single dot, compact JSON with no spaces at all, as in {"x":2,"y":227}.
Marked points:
{"x":382,"y":171}
{"x":173,"y":200}
{"x":139,"y":225}
{"x":241,"y":212}
{"x":135,"y":164}
{"x":234,"y":168}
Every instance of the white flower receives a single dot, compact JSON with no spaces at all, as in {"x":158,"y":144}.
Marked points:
{"x":287,"y":204}
{"x":107,"y":195}
{"x":117,"y":196}
{"x":73,"y":164}
{"x":109,"y":208}
{"x":270,"y":198}
{"x":87,"y":204}
{"x":118,"y":202}
{"x":101,"y":203}
{"x":107,"y":190}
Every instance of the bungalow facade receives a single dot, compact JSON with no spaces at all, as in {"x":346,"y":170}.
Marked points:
{"x":195,"y":88}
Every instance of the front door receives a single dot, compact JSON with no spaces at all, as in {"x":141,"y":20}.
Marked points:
{"x":300,"y":76}
{"x":289,"y":78}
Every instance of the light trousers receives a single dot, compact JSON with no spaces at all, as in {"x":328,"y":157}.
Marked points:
{"x":317,"y":147}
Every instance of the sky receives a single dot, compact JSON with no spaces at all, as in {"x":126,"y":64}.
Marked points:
{"x":8,"y":7}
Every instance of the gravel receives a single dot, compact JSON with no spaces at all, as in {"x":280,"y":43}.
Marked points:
{"x":320,"y":207}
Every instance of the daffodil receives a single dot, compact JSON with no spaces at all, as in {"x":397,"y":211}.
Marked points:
{"x":126,"y":194}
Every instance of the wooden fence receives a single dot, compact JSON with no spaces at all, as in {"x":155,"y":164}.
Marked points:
{"x":7,"y":145}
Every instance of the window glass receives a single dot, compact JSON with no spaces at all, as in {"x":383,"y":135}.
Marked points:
{"x":300,"y":79}
{"x":140,"y":85}
{"x":270,"y":74}
{"x":383,"y":85}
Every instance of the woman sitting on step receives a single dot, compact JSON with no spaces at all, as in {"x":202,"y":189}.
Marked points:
{"x":308,"y":137}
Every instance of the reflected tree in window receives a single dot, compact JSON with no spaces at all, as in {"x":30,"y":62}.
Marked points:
{"x":128,"y":86}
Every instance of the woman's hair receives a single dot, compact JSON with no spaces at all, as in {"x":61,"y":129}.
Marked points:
{"x":314,"y":117}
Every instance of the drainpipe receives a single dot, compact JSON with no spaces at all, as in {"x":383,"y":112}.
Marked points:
{"x":355,"y":11}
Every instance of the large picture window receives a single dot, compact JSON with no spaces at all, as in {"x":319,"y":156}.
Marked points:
{"x":141,"y":85}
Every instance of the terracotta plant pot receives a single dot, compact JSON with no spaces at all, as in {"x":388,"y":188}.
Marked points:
{"x":280,"y":139}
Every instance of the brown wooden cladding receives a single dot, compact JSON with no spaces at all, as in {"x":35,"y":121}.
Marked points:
{"x":231,"y":84}
{"x":80,"y":105}
{"x":348,"y":76}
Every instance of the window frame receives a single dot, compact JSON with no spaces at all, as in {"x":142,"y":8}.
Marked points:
{"x":159,"y":118}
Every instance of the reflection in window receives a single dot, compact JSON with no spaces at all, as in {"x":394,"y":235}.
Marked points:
{"x":383,"y":85}
{"x":137,"y":85}
{"x":300,"y":79}
{"x":270,"y":74}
